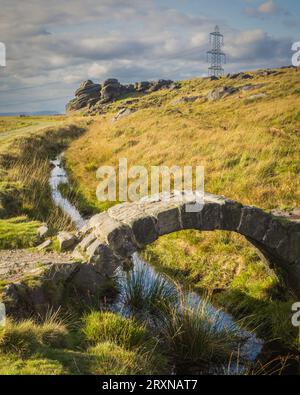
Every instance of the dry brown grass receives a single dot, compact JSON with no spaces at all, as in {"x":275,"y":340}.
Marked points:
{"x":243,"y":157}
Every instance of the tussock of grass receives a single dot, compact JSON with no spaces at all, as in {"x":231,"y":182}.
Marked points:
{"x":147,"y":293}
{"x":18,"y":233}
{"x":195,"y":339}
{"x":26,"y":337}
{"x":109,"y":327}
{"x":63,"y":349}
{"x":116,"y":360}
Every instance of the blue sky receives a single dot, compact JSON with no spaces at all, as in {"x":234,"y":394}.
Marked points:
{"x":54,"y":45}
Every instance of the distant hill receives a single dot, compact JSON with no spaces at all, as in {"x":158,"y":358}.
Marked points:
{"x":13,"y":114}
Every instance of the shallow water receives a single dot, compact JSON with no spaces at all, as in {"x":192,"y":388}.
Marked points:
{"x":59,"y":176}
{"x":249,"y":350}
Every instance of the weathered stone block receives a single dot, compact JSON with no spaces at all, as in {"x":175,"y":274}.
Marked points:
{"x":190,"y":220}
{"x":87,"y":280}
{"x":44,"y":245}
{"x":144,"y":230}
{"x":168,"y":221}
{"x":254,"y":223}
{"x":66,"y":240}
{"x":275,"y":234}
{"x":101,"y":256}
{"x":43,"y":231}
{"x":210,"y":216}
{"x":118,"y":235}
{"x":86,"y":242}
{"x":231,"y":215}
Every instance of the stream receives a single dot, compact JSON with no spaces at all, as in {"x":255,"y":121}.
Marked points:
{"x":252,"y":346}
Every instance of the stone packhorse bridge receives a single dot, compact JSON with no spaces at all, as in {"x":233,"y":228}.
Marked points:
{"x":113,"y":236}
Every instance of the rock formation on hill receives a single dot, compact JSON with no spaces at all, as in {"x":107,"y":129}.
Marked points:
{"x":90,"y":95}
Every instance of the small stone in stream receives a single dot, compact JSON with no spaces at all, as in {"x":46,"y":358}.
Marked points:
{"x":43,"y":231}
{"x":44,"y":245}
{"x":66,"y":241}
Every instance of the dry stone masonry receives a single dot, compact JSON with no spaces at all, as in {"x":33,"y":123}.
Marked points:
{"x":110,"y":238}
{"x":113,"y":236}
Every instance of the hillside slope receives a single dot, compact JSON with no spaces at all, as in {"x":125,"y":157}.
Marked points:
{"x":248,"y":142}
{"x":245,"y":131}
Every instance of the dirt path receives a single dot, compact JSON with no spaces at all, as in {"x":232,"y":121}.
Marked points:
{"x":17,"y":263}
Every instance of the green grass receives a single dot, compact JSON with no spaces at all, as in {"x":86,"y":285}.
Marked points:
{"x":18,"y":233}
{"x":195,"y":340}
{"x":228,"y":267}
{"x":105,"y":326}
{"x":25,"y":171}
{"x":250,"y":151}
{"x":148,"y":294}
{"x":56,"y":347}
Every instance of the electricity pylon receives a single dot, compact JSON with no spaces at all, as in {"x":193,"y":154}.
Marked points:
{"x":215,"y":56}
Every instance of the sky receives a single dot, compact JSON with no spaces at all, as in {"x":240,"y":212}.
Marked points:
{"x":52,"y":46}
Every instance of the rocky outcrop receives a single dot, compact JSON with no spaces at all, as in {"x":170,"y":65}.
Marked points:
{"x":222,"y":92}
{"x":96,"y":96}
{"x":186,"y":99}
{"x":225,"y":91}
{"x":240,"y":76}
{"x":87,"y":94}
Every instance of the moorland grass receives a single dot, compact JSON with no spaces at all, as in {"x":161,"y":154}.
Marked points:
{"x":250,"y":150}
{"x":18,"y":232}
{"x":60,"y":349}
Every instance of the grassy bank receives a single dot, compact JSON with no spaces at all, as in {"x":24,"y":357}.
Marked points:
{"x":250,"y":150}
{"x":24,"y":184}
{"x":57,"y":347}
{"x":18,"y":232}
{"x":226,"y":266}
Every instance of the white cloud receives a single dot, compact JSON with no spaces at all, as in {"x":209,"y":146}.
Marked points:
{"x":127,"y":39}
{"x":269,"y":7}
{"x":265,"y":9}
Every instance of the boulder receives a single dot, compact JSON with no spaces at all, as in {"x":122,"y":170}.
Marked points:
{"x":240,"y":76}
{"x":222,"y":92}
{"x":42,"y":231}
{"x":142,"y":86}
{"x":160,"y":84}
{"x":66,"y":241}
{"x":123,"y":113}
{"x":44,"y":245}
{"x":110,"y":81}
{"x":111,"y":90}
